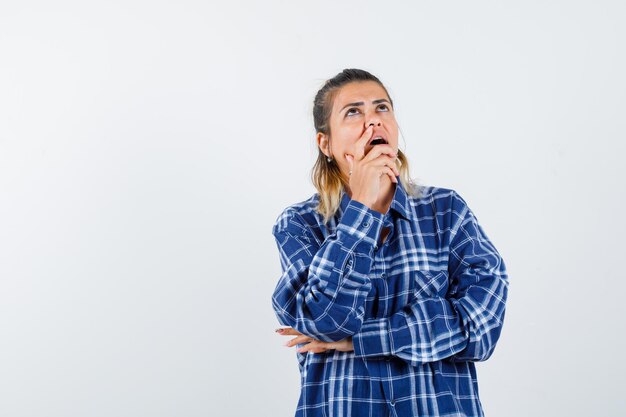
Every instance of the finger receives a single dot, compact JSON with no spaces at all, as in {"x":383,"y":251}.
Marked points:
{"x":381,"y":150}
{"x":383,"y":159}
{"x":393,"y":164}
{"x":350,"y":159}
{"x":392,"y":175}
{"x":298,"y":340}
{"x":319,"y":347}
{"x":362,"y":142}
{"x":288,"y":331}
{"x":314,"y":347}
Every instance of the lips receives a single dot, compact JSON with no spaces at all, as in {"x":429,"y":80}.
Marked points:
{"x":378,"y":139}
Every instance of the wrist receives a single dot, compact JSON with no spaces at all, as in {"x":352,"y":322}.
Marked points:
{"x":363,"y":201}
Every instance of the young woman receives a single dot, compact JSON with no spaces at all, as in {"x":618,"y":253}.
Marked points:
{"x":392,"y":289}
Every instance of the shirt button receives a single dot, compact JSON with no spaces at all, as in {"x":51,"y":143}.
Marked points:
{"x":392,"y":402}
{"x":383,"y":275}
{"x":366,"y":223}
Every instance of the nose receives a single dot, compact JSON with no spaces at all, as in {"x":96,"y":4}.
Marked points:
{"x":372,"y":121}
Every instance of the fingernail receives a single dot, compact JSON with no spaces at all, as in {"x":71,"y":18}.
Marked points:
{"x":279,"y":330}
{"x":286,"y":343}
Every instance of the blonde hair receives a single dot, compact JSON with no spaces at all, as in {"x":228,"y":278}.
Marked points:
{"x":325,"y":175}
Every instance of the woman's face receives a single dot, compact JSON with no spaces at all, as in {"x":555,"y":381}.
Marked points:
{"x":356,"y":106}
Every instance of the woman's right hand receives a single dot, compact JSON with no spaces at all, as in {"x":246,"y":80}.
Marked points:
{"x":368,"y":170}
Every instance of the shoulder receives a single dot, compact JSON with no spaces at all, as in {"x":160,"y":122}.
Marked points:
{"x":438,"y":199}
{"x":298,"y":217}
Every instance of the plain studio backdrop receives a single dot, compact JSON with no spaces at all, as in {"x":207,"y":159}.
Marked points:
{"x":147,"y":148}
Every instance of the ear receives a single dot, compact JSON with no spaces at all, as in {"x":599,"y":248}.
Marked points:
{"x":322,"y":142}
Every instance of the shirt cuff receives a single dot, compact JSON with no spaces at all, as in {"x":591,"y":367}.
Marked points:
{"x":373,"y":339}
{"x":361,"y":226}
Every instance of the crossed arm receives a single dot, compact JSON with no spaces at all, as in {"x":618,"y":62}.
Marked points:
{"x":321,"y":294}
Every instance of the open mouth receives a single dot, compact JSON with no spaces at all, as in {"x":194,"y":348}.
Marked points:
{"x":377,"y":141}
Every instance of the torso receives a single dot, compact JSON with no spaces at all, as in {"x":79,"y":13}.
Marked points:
{"x":383,"y":235}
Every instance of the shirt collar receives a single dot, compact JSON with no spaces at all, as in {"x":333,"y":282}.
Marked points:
{"x":399,"y":204}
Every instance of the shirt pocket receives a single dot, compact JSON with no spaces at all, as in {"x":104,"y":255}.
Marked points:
{"x":428,"y":284}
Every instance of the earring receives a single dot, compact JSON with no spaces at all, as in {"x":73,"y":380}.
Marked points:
{"x":328,"y":158}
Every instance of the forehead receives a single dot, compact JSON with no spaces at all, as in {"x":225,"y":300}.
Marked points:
{"x":358,"y":91}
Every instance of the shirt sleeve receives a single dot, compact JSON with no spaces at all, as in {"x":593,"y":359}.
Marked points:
{"x":463,"y":326}
{"x":321,"y":292}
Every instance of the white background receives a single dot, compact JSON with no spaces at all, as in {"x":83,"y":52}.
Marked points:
{"x":146,"y":149}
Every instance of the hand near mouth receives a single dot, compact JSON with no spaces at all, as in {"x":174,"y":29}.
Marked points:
{"x":368,"y":170}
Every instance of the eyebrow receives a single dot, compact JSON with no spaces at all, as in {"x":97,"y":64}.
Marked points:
{"x":360,"y":103}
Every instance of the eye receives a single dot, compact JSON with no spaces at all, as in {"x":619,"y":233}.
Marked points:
{"x":350,"y":109}
{"x":384,"y":106}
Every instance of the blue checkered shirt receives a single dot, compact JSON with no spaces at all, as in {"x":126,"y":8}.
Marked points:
{"x":421,"y":308}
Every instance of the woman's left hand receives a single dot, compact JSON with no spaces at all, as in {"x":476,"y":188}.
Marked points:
{"x":314,"y":345}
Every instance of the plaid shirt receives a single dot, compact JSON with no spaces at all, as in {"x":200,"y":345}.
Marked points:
{"x":421,"y":308}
